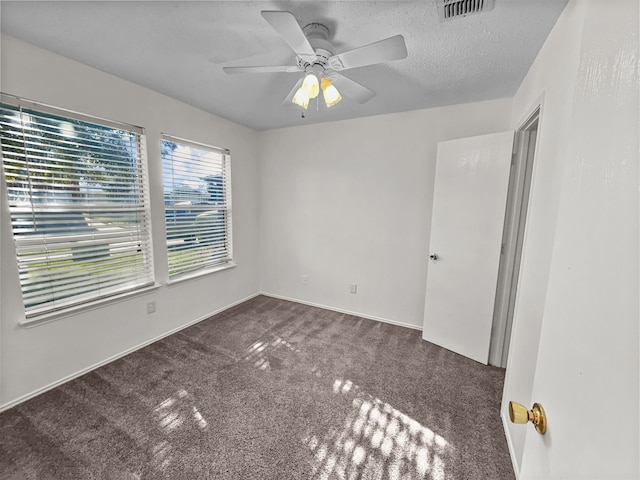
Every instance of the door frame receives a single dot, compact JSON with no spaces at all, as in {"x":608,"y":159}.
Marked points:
{"x":522,"y":164}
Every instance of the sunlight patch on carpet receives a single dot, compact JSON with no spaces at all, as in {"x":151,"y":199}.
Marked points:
{"x":177,"y":410}
{"x":258,"y":353}
{"x":377,"y":441}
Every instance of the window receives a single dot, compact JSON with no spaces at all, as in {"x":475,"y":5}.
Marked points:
{"x":197,"y":199}
{"x":78,"y":198}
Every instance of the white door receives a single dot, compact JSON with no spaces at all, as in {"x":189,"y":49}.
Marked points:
{"x":587,"y":374}
{"x":471,"y":182}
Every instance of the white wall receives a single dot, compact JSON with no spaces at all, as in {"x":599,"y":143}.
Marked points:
{"x":350,"y":203}
{"x":551,"y":81}
{"x":575,"y":338}
{"x":33,"y":358}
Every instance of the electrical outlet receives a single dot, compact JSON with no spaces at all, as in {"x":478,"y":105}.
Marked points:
{"x":151,"y":306}
{"x":305,"y":279}
{"x":354,"y":288}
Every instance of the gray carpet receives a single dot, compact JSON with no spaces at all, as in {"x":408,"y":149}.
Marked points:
{"x":268,"y":389}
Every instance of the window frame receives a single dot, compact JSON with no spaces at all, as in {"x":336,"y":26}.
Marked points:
{"x":227,"y":262}
{"x":77,"y":302}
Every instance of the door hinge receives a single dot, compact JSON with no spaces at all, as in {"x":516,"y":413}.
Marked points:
{"x":502,"y":249}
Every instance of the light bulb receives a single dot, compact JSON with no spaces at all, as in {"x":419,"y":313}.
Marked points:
{"x":310,"y":86}
{"x":331,"y":93}
{"x":301,"y":98}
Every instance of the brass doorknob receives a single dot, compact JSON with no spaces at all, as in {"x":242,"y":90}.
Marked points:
{"x":518,"y":413}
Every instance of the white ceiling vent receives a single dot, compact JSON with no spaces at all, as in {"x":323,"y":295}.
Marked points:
{"x":450,"y":9}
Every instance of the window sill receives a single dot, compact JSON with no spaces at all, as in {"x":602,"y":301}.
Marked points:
{"x":199,"y":274}
{"x":77,"y":309}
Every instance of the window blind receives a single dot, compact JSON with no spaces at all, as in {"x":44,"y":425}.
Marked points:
{"x":197,"y":198}
{"x":79,"y":203}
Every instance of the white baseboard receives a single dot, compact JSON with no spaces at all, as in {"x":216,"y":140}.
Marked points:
{"x":339,"y":310}
{"x":79,"y":373}
{"x":512,"y":454}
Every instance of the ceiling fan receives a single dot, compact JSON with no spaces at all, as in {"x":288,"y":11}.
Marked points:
{"x":316,"y":57}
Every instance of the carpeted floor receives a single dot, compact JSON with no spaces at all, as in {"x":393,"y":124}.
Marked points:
{"x":268,"y":389}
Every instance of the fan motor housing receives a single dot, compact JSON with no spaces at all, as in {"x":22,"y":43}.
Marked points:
{"x":318,"y":36}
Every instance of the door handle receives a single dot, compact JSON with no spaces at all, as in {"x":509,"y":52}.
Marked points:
{"x":434,"y":256}
{"x":518,"y":413}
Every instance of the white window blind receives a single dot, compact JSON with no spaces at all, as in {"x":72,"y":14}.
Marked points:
{"x":197,"y":199}
{"x":78,"y":197}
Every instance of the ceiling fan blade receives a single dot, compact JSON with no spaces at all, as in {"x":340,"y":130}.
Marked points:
{"x":350,"y":88}
{"x":265,"y":69}
{"x":287,"y":26}
{"x":392,"y":48}
{"x":288,"y":99}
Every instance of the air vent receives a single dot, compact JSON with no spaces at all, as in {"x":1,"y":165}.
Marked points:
{"x":450,"y":9}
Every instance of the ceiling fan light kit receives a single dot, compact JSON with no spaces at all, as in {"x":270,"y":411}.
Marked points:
{"x":310,"y":88}
{"x":315,"y":57}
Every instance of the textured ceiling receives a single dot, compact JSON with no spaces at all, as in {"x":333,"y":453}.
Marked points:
{"x":179,"y":48}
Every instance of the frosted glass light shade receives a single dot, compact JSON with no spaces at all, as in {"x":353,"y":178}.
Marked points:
{"x":301,"y":98}
{"x":331,"y":93}
{"x":311,"y":86}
